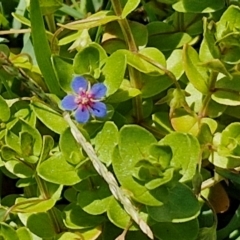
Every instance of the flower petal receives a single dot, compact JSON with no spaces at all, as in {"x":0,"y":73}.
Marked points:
{"x":82,"y":114}
{"x":98,"y":109}
{"x":79,"y":82}
{"x":98,"y":90}
{"x":68,"y":103}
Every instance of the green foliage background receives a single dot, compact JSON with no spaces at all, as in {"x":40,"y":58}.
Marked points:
{"x":164,"y":163}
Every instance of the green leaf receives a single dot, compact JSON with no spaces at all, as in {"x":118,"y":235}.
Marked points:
{"x":217,"y":66}
{"x":33,"y":205}
{"x":26,"y":143}
{"x":196,"y":74}
{"x":113,"y":39}
{"x":13,"y":141}
{"x":173,"y":231}
{"x":64,"y":71}
{"x":37,"y":138}
{"x":129,"y":7}
{"x":134,"y":143}
{"x":227,"y":91}
{"x":124,"y":93}
{"x":186,"y":151}
{"x":7,"y":232}
{"x":5,"y":110}
{"x":118,"y":215}
{"x":69,"y":236}
{"x":49,"y":117}
{"x":228,"y":148}
{"x":5,"y":49}
{"x":94,"y":198}
{"x":42,"y":49}
{"x":207,"y":233}
{"x":50,"y":6}
{"x":170,"y":41}
{"x":152,"y":85}
{"x":20,"y":169}
{"x":105,"y":142}
{"x":209,"y":50}
{"x":89,"y":60}
{"x":96,"y":19}
{"x":75,"y":218}
{"x":137,"y":60}
{"x":57,"y":170}
{"x":41,"y":225}
{"x":195,"y":6}
{"x":24,"y":234}
{"x":71,"y":150}
{"x":47,"y":146}
{"x":114,"y":73}
{"x":162,"y":121}
{"x":229,"y":21}
{"x":174,"y":208}
{"x":184,"y":122}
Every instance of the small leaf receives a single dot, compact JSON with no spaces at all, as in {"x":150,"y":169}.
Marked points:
{"x":57,"y":170}
{"x":140,"y":63}
{"x":33,"y":205}
{"x":49,"y":117}
{"x":197,"y":75}
{"x":218,"y":66}
{"x":71,"y":150}
{"x":50,"y":6}
{"x":7,"y":232}
{"x":227,"y":91}
{"x":172,"y":231}
{"x":5,"y":110}
{"x":118,"y":215}
{"x":24,"y":233}
{"x":89,"y":60}
{"x":20,"y":169}
{"x":229,"y":21}
{"x":75,"y":218}
{"x":195,"y":6}
{"x":48,"y":144}
{"x":114,"y":71}
{"x":186,"y":151}
{"x":41,"y":225}
{"x":124,"y":93}
{"x":97,"y":19}
{"x":169,"y":41}
{"x":105,"y":142}
{"x":94,"y":198}
{"x":64,"y":71}
{"x":184,"y":122}
{"x":174,"y":209}
{"x":129,"y":7}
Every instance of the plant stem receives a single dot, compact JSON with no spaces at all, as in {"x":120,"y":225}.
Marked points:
{"x":206,"y":100}
{"x":51,"y":22}
{"x":135,"y":76}
{"x":44,"y":192}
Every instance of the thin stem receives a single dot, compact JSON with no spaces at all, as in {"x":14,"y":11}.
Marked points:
{"x":156,"y":132}
{"x":51,"y":22}
{"x":14,"y":31}
{"x":44,"y":192}
{"x":161,"y":67}
{"x":206,"y":100}
{"x":135,"y":76}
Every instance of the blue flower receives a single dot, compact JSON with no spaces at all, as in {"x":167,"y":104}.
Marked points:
{"x":85,"y":100}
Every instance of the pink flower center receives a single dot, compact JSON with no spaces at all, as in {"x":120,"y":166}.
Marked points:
{"x":84,"y":98}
